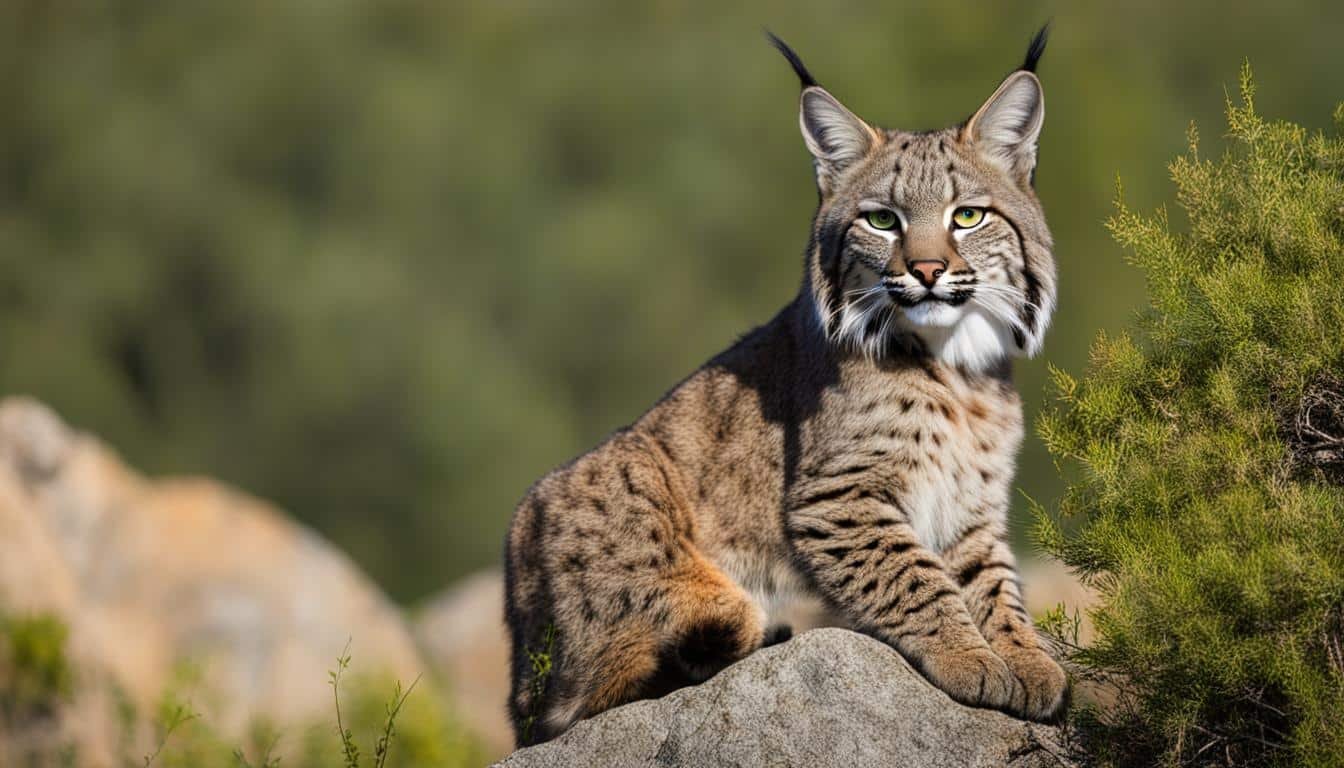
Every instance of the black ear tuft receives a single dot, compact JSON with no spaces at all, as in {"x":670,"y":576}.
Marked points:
{"x":804,"y":77}
{"x":1036,"y":48}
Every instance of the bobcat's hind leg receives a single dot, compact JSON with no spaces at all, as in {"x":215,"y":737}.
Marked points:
{"x":716,"y":623}
{"x":616,"y":672}
{"x":701,"y":623}
{"x":603,"y":554}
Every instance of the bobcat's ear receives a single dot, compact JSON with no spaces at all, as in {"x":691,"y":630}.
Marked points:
{"x":835,"y":136}
{"x":1005,"y":130}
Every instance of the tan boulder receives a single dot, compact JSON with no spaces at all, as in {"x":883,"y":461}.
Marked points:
{"x":462,"y":633}
{"x":1049,"y":583}
{"x":151,"y":575}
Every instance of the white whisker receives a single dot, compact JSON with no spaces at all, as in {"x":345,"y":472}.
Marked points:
{"x":1004,"y":315}
{"x":1009,"y":291}
{"x":867,"y":318}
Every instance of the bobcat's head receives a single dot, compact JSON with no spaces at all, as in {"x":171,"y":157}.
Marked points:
{"x":933,"y":241}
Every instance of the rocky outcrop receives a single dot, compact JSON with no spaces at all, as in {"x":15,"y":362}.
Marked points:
{"x":149,"y":575}
{"x":827,"y":697}
{"x":462,"y":634}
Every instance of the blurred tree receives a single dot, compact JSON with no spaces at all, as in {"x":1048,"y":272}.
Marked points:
{"x":387,"y":262}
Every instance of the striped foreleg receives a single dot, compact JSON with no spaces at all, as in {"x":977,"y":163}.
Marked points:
{"x":864,"y":557}
{"x":986,"y":571}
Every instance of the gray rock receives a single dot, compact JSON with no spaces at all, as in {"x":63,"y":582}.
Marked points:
{"x":829,"y":697}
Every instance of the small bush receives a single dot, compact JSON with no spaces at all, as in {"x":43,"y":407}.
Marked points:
{"x":397,"y":730}
{"x":34,"y":672}
{"x":1203,"y":456}
{"x":36,"y":681}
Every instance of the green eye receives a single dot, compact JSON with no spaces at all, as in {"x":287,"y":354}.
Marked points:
{"x":965,"y":218}
{"x":882,"y":219}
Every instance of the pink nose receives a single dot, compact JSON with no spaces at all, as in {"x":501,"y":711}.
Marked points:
{"x":927,"y":272}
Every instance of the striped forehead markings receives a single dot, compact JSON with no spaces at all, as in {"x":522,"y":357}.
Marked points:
{"x":889,"y":180}
{"x":925,"y":170}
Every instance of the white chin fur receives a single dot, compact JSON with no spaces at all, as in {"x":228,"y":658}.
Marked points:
{"x":965,"y":336}
{"x":932,"y":314}
{"x":962,"y":336}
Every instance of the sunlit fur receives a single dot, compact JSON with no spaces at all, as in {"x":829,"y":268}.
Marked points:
{"x":995,"y":306}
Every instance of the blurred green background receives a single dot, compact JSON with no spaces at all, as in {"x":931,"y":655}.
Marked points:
{"x":387,"y":262}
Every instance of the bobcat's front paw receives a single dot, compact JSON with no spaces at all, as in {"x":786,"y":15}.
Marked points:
{"x":975,"y":677}
{"x":1045,"y":687}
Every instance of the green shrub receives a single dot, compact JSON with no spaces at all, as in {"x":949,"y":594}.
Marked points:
{"x":34,"y":672}
{"x":37,"y":681}
{"x":1203,"y":453}
{"x":374,"y":723}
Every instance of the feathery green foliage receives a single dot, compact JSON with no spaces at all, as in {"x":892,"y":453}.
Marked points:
{"x":1203,"y":452}
{"x":424,"y":732}
{"x":174,"y":713}
{"x":349,"y":751}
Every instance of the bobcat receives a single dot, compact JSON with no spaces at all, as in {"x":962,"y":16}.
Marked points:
{"x":858,"y":447}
